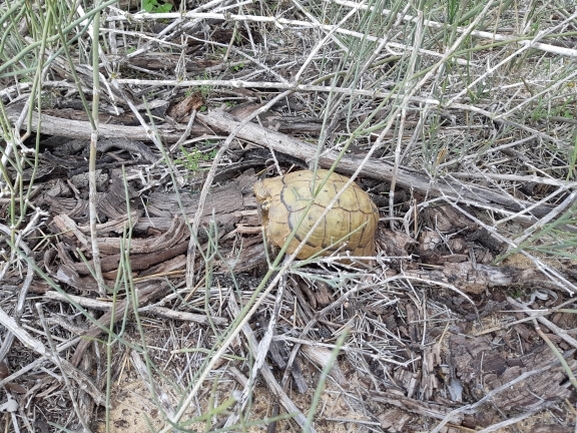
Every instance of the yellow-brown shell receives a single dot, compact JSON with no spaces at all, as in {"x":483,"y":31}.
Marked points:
{"x":349,"y":225}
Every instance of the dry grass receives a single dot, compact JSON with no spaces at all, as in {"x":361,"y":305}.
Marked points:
{"x":450,"y":102}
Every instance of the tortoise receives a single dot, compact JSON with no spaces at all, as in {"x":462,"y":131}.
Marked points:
{"x":349,"y":225}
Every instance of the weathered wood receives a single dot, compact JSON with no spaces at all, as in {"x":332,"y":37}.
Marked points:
{"x":52,"y":125}
{"x":477,"y":363}
{"x":475,"y":278}
{"x":226,"y":206}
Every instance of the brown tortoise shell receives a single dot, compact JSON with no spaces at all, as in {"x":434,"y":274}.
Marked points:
{"x":350,"y":225}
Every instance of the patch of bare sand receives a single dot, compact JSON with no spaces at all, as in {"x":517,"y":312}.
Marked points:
{"x":134,"y":411}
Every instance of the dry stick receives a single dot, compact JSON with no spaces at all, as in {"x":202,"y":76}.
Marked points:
{"x":31,"y":343}
{"x":477,"y":33}
{"x":265,"y":68}
{"x":541,"y":312}
{"x":279,"y":85}
{"x":150,"y":309}
{"x":510,"y":421}
{"x":18,"y":117}
{"x":529,"y":178}
{"x":9,"y":339}
{"x":52,"y":125}
{"x":333,"y":28}
{"x":266,"y":371}
{"x":261,"y":350}
{"x":332,"y":347}
{"x":474,"y":156}
{"x":13,"y":416}
{"x":93,"y":216}
{"x":52,"y":347}
{"x":174,"y":23}
{"x":561,"y":333}
{"x":186,"y":133}
{"x":81,"y":129}
{"x":398,"y":147}
{"x":550,"y":198}
{"x":318,"y":24}
{"x":562,"y":208}
{"x":92,"y":194}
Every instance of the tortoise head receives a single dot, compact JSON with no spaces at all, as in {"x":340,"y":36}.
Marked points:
{"x":263,"y":199}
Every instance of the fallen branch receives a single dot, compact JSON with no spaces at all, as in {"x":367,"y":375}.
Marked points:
{"x":410,"y":179}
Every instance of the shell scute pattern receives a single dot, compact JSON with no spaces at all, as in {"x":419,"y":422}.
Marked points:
{"x":351,"y":221}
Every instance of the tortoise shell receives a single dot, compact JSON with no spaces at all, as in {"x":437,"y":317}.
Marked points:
{"x":349,"y":225}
